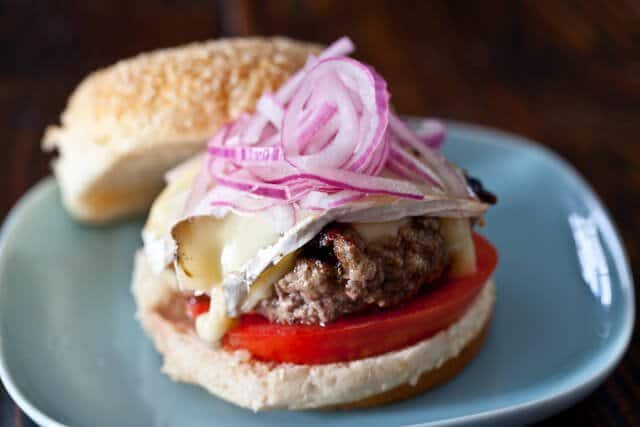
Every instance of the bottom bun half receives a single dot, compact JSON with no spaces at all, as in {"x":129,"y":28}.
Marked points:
{"x":258,"y":385}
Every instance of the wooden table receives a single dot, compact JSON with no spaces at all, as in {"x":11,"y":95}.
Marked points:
{"x":566,"y":74}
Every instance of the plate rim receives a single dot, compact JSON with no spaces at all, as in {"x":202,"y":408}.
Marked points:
{"x":558,"y":400}
{"x":613,"y":241}
{"x":39,"y":417}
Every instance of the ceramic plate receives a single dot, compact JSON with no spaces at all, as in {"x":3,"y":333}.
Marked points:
{"x":73,"y":354}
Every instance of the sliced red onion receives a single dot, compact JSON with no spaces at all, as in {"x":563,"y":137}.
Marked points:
{"x":401,"y":158}
{"x":322,"y":138}
{"x":432,"y":133}
{"x":339,"y":150}
{"x":254,"y":131}
{"x":203,"y":179}
{"x":220,"y":200}
{"x":346,"y":180}
{"x":321,"y":142}
{"x":450,"y":176}
{"x":237,"y":127}
{"x":320,"y":201}
{"x":256,"y":188}
{"x":377,"y":135}
{"x":246,"y":154}
{"x":399,"y":171}
{"x":314,"y":122}
{"x":342,"y":47}
{"x":382,"y":157}
{"x":345,"y":198}
{"x":271,"y":109}
{"x":358,"y":135}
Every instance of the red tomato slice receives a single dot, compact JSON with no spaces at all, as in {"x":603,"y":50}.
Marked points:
{"x":366,"y":334}
{"x":196,"y":305}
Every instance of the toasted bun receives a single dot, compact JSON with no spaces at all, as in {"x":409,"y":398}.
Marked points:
{"x":125,"y":125}
{"x":257,"y":385}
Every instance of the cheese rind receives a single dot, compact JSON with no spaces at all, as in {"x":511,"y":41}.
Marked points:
{"x":210,"y":248}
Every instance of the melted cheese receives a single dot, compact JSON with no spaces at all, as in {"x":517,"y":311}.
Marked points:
{"x":211,"y":248}
{"x":212,"y":325}
{"x":459,"y":244}
{"x":371,"y":231}
{"x":166,"y":209}
{"x":262,"y":288}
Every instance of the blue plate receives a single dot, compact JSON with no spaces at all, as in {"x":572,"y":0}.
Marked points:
{"x":73,"y":354}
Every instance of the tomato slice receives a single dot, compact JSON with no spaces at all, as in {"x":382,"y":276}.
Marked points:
{"x":196,"y":305}
{"x":366,"y":334}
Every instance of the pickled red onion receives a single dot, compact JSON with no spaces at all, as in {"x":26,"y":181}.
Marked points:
{"x":321,"y":141}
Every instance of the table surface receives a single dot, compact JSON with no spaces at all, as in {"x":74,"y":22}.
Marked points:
{"x":565,"y":73}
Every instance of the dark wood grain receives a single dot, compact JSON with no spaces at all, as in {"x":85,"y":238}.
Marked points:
{"x":565,"y":73}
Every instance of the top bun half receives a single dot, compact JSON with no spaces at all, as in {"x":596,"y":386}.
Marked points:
{"x":127,"y":124}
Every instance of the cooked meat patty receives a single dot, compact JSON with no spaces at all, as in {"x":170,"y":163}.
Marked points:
{"x":337,"y":273}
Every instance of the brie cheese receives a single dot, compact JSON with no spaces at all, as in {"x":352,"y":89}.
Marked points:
{"x":239,"y":257}
{"x":165,"y":211}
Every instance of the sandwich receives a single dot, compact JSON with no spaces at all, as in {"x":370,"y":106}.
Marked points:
{"x":126,"y":125}
{"x":319,"y":253}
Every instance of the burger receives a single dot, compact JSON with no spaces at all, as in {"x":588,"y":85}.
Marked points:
{"x":319,"y":253}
